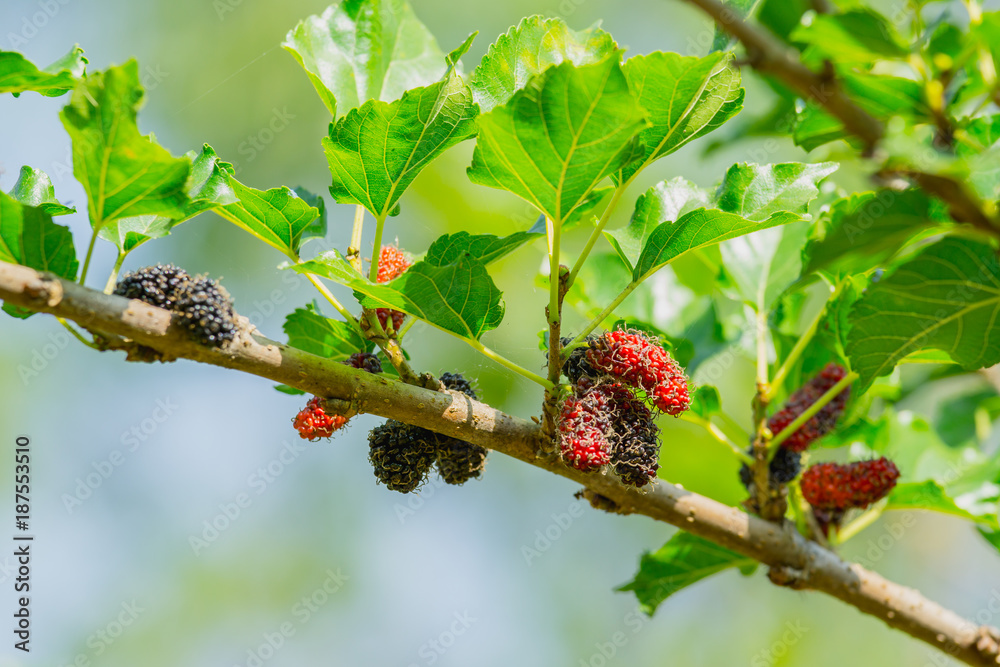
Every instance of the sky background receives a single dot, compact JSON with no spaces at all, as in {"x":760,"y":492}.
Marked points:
{"x":321,"y":561}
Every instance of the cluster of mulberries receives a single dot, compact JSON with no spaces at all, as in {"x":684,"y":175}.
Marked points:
{"x":392,"y":263}
{"x":203,"y":306}
{"x":832,"y":488}
{"x":787,"y":461}
{"x":604,"y":421}
{"x":402,"y":454}
{"x":313,"y":422}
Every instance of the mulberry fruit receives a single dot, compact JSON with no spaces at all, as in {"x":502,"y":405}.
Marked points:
{"x":206,"y":311}
{"x":641,"y":362}
{"x":156,"y":285}
{"x":365,"y":361}
{"x":401,"y":455}
{"x":392,"y":263}
{"x":459,"y":461}
{"x":833,"y":487}
{"x":576,"y":365}
{"x":823,"y":422}
{"x":583,"y":423}
{"x":312,"y":422}
{"x":784,"y":467}
{"x":635,"y":438}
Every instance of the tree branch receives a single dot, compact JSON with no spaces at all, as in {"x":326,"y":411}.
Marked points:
{"x":769,"y":55}
{"x":795,"y":561}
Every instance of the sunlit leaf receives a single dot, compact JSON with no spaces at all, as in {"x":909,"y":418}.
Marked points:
{"x":18,"y":74}
{"x":34,"y":188}
{"x":485,"y":248}
{"x":307,"y":329}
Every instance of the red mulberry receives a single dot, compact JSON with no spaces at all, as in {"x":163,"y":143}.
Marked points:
{"x":832,"y":486}
{"x":824,"y":421}
{"x":582,"y":427}
{"x":392,"y":263}
{"x":312,"y":422}
{"x":641,"y":362}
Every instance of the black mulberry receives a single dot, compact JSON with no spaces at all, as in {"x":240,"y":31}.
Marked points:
{"x":459,"y":461}
{"x":401,"y":455}
{"x":156,"y":285}
{"x":365,"y":361}
{"x":206,"y":311}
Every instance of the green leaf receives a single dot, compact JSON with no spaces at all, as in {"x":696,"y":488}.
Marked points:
{"x":207,"y":187}
{"x":857,"y":37}
{"x":485,"y":248}
{"x":743,"y":10}
{"x":360,"y":50}
{"x":277,"y":216}
{"x":664,"y":202}
{"x":34,"y":188}
{"x":685,"y":97}
{"x":376,"y":151}
{"x":459,"y":297}
{"x":530,"y":48}
{"x":124,"y":173}
{"x":307,"y":329}
{"x":706,"y":401}
{"x":684,"y":560}
{"x":698,"y":229}
{"x":758,"y":191}
{"x":586,"y":211}
{"x":860,"y":232}
{"x":946,"y":298}
{"x":291,"y":391}
{"x":991,"y":536}
{"x":17,"y":74}
{"x":557,"y":138}
{"x":881,"y":96}
{"x":927,"y":495}
{"x":317,"y":228}
{"x":761,"y":266}
{"x":30,"y":238}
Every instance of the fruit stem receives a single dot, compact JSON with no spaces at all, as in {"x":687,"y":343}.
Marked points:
{"x":113,"y":278}
{"x":354,"y":250}
{"x":810,"y":412}
{"x":76,"y":334}
{"x":594,"y":235}
{"x":867,"y":518}
{"x":328,"y":295}
{"x":596,"y":322}
{"x":504,"y":361}
{"x":800,"y":347}
{"x":718,"y":435}
{"x":90,"y":253}
{"x":376,"y":249}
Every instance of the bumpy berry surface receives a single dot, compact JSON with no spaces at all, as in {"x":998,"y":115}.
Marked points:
{"x":582,"y":426}
{"x":365,"y":361}
{"x":155,"y":285}
{"x":836,"y":487}
{"x":392,"y":263}
{"x":576,"y":365}
{"x":313,"y":423}
{"x":641,"y":362}
{"x":784,"y":467}
{"x":635,"y":439}
{"x":459,"y":461}
{"x":206,"y":311}
{"x":401,"y":455}
{"x":822,"y":422}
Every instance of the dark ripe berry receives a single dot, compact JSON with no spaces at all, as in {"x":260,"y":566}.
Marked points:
{"x":155,"y":285}
{"x":456,"y":382}
{"x":401,"y":455}
{"x":641,"y":362}
{"x":834,"y":487}
{"x":784,"y":467}
{"x":365,"y":361}
{"x":206,"y":311}
{"x":459,"y":461}
{"x":634,"y":439}
{"x":576,"y":365}
{"x":582,"y":427}
{"x":822,"y":422}
{"x":392,"y":263}
{"x":312,"y":422}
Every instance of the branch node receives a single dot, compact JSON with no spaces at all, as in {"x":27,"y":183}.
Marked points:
{"x":787,"y":577}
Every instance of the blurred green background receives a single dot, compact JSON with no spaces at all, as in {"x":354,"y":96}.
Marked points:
{"x":320,"y":562}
